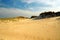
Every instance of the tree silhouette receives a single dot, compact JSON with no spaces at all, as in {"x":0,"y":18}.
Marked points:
{"x":48,"y":15}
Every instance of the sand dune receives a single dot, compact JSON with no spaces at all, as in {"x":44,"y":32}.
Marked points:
{"x":28,"y":29}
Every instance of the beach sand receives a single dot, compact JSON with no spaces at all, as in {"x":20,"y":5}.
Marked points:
{"x":28,"y":29}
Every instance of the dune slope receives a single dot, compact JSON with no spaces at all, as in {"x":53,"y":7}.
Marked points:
{"x":44,"y":29}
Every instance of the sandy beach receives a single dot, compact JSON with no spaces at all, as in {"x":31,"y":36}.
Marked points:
{"x":28,"y":29}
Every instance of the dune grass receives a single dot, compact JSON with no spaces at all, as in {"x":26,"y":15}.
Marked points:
{"x":44,"y":29}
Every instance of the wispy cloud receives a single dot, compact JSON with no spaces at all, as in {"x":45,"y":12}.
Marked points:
{"x":49,"y":2}
{"x":33,"y":5}
{"x":11,"y":12}
{"x":43,"y":4}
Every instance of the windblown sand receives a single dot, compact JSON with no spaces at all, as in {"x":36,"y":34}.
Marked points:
{"x":28,"y":29}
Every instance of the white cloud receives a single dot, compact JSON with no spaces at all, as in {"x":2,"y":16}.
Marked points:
{"x":48,"y":2}
{"x":11,"y":12}
{"x":54,"y":5}
{"x":55,"y":9}
{"x":40,"y":1}
{"x":8,"y":12}
{"x":28,"y":1}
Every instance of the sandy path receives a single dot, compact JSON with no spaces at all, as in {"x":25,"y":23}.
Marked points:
{"x":45,"y":29}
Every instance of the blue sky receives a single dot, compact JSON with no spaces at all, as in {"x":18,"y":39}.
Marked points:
{"x":9,"y":8}
{"x":20,"y":4}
